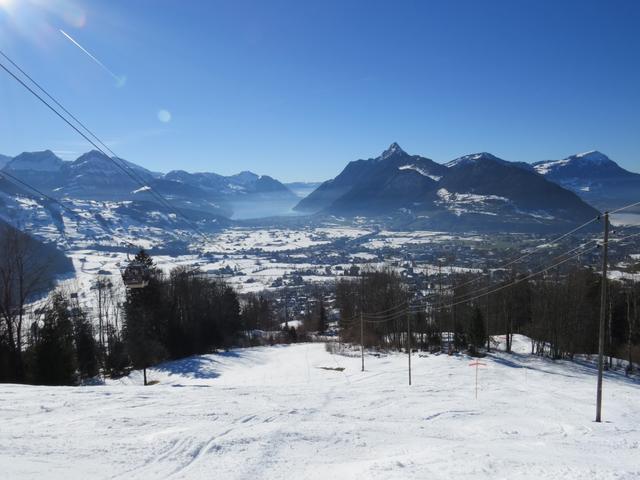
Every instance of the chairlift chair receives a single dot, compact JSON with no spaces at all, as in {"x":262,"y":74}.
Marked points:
{"x":135,"y":275}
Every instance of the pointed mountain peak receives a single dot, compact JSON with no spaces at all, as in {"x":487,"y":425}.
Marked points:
{"x":394,"y":149}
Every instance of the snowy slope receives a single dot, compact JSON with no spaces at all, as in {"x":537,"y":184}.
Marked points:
{"x":275,"y":413}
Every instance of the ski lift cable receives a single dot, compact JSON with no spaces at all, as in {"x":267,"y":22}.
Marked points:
{"x":52,"y":98}
{"x":114,"y":158}
{"x":95,"y":145}
{"x":75,"y":215}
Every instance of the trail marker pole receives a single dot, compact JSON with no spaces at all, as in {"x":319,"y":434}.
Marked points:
{"x":477,"y":364}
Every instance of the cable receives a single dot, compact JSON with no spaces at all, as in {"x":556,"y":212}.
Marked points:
{"x":624,"y":208}
{"x":127,"y":170}
{"x":522,"y":257}
{"x":78,"y":217}
{"x":384,"y":312}
{"x":536,"y":273}
{"x":131,"y":170}
{"x":473,"y":292}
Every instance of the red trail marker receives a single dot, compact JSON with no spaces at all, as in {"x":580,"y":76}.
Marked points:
{"x":477,"y":364}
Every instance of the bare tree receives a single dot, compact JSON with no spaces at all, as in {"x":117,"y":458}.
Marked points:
{"x":24,"y":272}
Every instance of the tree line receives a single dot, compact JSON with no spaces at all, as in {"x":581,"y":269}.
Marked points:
{"x":174,"y":316}
{"x":559,"y":312}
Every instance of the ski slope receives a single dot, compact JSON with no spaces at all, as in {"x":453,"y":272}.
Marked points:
{"x":274,"y":412}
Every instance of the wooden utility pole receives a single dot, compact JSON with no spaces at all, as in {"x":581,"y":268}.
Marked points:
{"x":362,"y":340}
{"x":409,"y":344}
{"x":486,"y":297}
{"x":603,"y":314}
{"x":362,"y":319}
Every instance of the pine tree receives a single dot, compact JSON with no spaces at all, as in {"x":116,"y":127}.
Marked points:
{"x":55,"y":361}
{"x":85,"y":344}
{"x":477,"y":331}
{"x":145,"y":322}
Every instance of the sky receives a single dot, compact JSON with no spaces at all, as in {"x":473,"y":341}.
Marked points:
{"x":296,"y":90}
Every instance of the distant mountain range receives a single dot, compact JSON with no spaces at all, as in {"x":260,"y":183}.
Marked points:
{"x":595,"y":177}
{"x":94,"y":176}
{"x":478,"y":191}
{"x":473,"y":192}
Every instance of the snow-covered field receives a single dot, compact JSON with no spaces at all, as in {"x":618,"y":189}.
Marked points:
{"x":275,"y":412}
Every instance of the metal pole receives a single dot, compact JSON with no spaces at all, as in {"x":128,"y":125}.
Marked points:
{"x":603,"y":314}
{"x":409,"y":345}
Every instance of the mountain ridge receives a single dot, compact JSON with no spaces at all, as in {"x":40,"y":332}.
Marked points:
{"x":467,"y":190}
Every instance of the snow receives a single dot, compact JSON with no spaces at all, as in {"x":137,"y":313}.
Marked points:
{"x":469,"y":159}
{"x":460,"y":203}
{"x":280,"y":412}
{"x":421,"y":171}
{"x":146,"y":188}
{"x":593,"y":156}
{"x":452,"y":197}
{"x":546,"y":167}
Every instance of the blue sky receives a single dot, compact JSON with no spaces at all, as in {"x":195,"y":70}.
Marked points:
{"x":297,"y":89}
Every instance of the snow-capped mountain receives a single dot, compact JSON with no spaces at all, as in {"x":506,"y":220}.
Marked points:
{"x":504,"y":192}
{"x":101,"y":223}
{"x":594,"y":177}
{"x":477,"y":191}
{"x":390,"y":180}
{"x":95,"y":176}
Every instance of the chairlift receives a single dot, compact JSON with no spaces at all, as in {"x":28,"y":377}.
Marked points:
{"x":135,"y":275}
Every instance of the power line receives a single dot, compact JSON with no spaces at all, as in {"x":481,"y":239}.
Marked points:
{"x":481,"y":289}
{"x":527,"y":277}
{"x":534,"y":250}
{"x":625,"y":207}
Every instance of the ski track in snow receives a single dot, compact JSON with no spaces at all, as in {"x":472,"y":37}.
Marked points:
{"x":272,"y":412}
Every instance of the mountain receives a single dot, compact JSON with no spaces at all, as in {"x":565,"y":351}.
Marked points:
{"x":483,"y":184}
{"x":4,"y":160}
{"x":385,"y":182}
{"x":43,"y":169}
{"x":95,"y":176}
{"x":45,"y":161}
{"x":478,"y":191}
{"x":594,"y":177}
